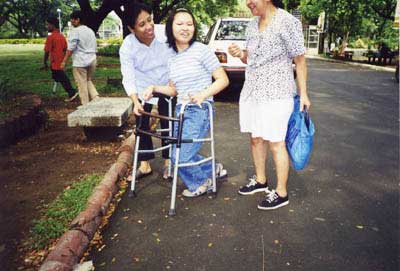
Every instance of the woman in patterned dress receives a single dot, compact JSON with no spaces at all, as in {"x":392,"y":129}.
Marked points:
{"x":274,"y":39}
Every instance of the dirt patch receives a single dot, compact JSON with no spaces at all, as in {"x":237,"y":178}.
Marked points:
{"x":35,"y":170}
{"x":24,"y":117}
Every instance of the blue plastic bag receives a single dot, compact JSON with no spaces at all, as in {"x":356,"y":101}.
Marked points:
{"x":299,"y":136}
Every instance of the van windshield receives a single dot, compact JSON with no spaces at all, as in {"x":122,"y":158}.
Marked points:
{"x":232,"y":30}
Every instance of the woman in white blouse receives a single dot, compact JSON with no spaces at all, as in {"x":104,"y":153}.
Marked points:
{"x":273,"y":40}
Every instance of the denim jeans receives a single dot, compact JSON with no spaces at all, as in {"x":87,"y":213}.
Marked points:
{"x":196,"y":125}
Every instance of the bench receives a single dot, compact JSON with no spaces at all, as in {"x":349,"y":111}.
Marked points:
{"x":348,"y":55}
{"x":102,"y":118}
{"x":379,"y":57}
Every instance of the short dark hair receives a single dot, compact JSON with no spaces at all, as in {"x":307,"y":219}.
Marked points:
{"x":133,"y":14}
{"x":77,"y":14}
{"x":278,"y":3}
{"x":53,"y":21}
{"x":168,"y":28}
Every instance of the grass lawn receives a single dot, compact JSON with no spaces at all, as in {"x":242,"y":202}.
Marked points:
{"x":20,"y":64}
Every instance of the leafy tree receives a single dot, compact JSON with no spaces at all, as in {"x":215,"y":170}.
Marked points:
{"x":204,"y":10}
{"x":28,"y":16}
{"x":349,"y":17}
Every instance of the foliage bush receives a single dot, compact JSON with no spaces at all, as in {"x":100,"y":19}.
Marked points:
{"x":109,"y":50}
{"x":110,"y":41}
{"x":23,"y":41}
{"x":359,"y":43}
{"x":61,"y":212}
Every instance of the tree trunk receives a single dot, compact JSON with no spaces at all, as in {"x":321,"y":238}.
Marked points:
{"x":343,"y":46}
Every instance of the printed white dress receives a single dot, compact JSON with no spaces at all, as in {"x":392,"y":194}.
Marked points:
{"x":266,"y":100}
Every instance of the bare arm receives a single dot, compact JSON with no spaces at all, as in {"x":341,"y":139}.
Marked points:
{"x":168,"y":90}
{"x":221,"y":81}
{"x":301,"y":70}
{"x":68,"y":54}
{"x":45,"y":59}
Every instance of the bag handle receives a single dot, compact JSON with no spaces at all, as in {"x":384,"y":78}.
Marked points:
{"x":306,"y":118}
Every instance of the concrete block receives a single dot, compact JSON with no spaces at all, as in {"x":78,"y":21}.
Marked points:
{"x":102,"y":112}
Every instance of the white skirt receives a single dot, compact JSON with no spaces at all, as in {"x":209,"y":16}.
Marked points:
{"x":267,"y":120}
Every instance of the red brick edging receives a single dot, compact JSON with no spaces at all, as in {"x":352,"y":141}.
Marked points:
{"x":73,"y":243}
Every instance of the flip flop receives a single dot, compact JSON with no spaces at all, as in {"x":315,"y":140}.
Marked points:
{"x":140,"y":174}
{"x":165,"y":174}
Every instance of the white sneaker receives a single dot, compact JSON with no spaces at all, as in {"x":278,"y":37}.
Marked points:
{"x":70,"y":99}
{"x":202,"y":189}
{"x":220,"y":172}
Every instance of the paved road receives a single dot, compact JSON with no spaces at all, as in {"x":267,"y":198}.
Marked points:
{"x":343,"y":212}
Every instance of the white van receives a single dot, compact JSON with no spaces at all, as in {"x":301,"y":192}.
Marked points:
{"x":222,"y":34}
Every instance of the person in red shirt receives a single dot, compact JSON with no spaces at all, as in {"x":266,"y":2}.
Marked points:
{"x":56,"y":46}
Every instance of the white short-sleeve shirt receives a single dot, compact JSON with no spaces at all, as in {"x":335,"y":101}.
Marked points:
{"x":269,"y":73}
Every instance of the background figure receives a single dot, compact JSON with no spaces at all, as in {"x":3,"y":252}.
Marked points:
{"x":82,"y":46}
{"x":144,"y":62}
{"x":55,"y":46}
{"x":273,"y":40}
{"x":191,"y":71}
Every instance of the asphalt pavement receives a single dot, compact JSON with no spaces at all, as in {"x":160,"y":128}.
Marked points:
{"x":344,"y":207}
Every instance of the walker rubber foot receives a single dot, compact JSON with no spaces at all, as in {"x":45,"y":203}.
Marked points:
{"x":132,"y":194}
{"x":172,"y":212}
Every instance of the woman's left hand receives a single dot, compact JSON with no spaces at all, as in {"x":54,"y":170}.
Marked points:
{"x":196,"y":99}
{"x":304,"y":102}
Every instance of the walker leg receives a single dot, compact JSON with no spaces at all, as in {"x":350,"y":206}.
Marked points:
{"x":132,"y":193}
{"x":214,"y":179}
{"x":172,"y":211}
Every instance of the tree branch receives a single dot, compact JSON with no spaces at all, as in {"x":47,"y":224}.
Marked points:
{"x":167,"y":8}
{"x":85,"y":6}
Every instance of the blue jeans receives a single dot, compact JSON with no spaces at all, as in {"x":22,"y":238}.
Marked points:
{"x":196,"y":125}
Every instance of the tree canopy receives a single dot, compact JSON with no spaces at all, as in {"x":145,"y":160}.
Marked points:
{"x":345,"y":18}
{"x":28,"y":16}
{"x":366,"y":18}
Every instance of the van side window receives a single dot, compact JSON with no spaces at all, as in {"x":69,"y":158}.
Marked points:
{"x":209,"y":34}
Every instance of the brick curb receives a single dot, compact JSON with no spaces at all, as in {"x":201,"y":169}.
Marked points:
{"x":73,"y":243}
{"x":373,"y":67}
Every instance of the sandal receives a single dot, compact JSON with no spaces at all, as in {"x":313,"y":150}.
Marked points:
{"x":201,"y":190}
{"x":140,"y":174}
{"x":166,"y":176}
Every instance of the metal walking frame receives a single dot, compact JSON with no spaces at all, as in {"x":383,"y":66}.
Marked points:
{"x":178,"y":140}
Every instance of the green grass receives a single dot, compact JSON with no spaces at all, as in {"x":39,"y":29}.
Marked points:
{"x":60,"y":213}
{"x":20,"y":64}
